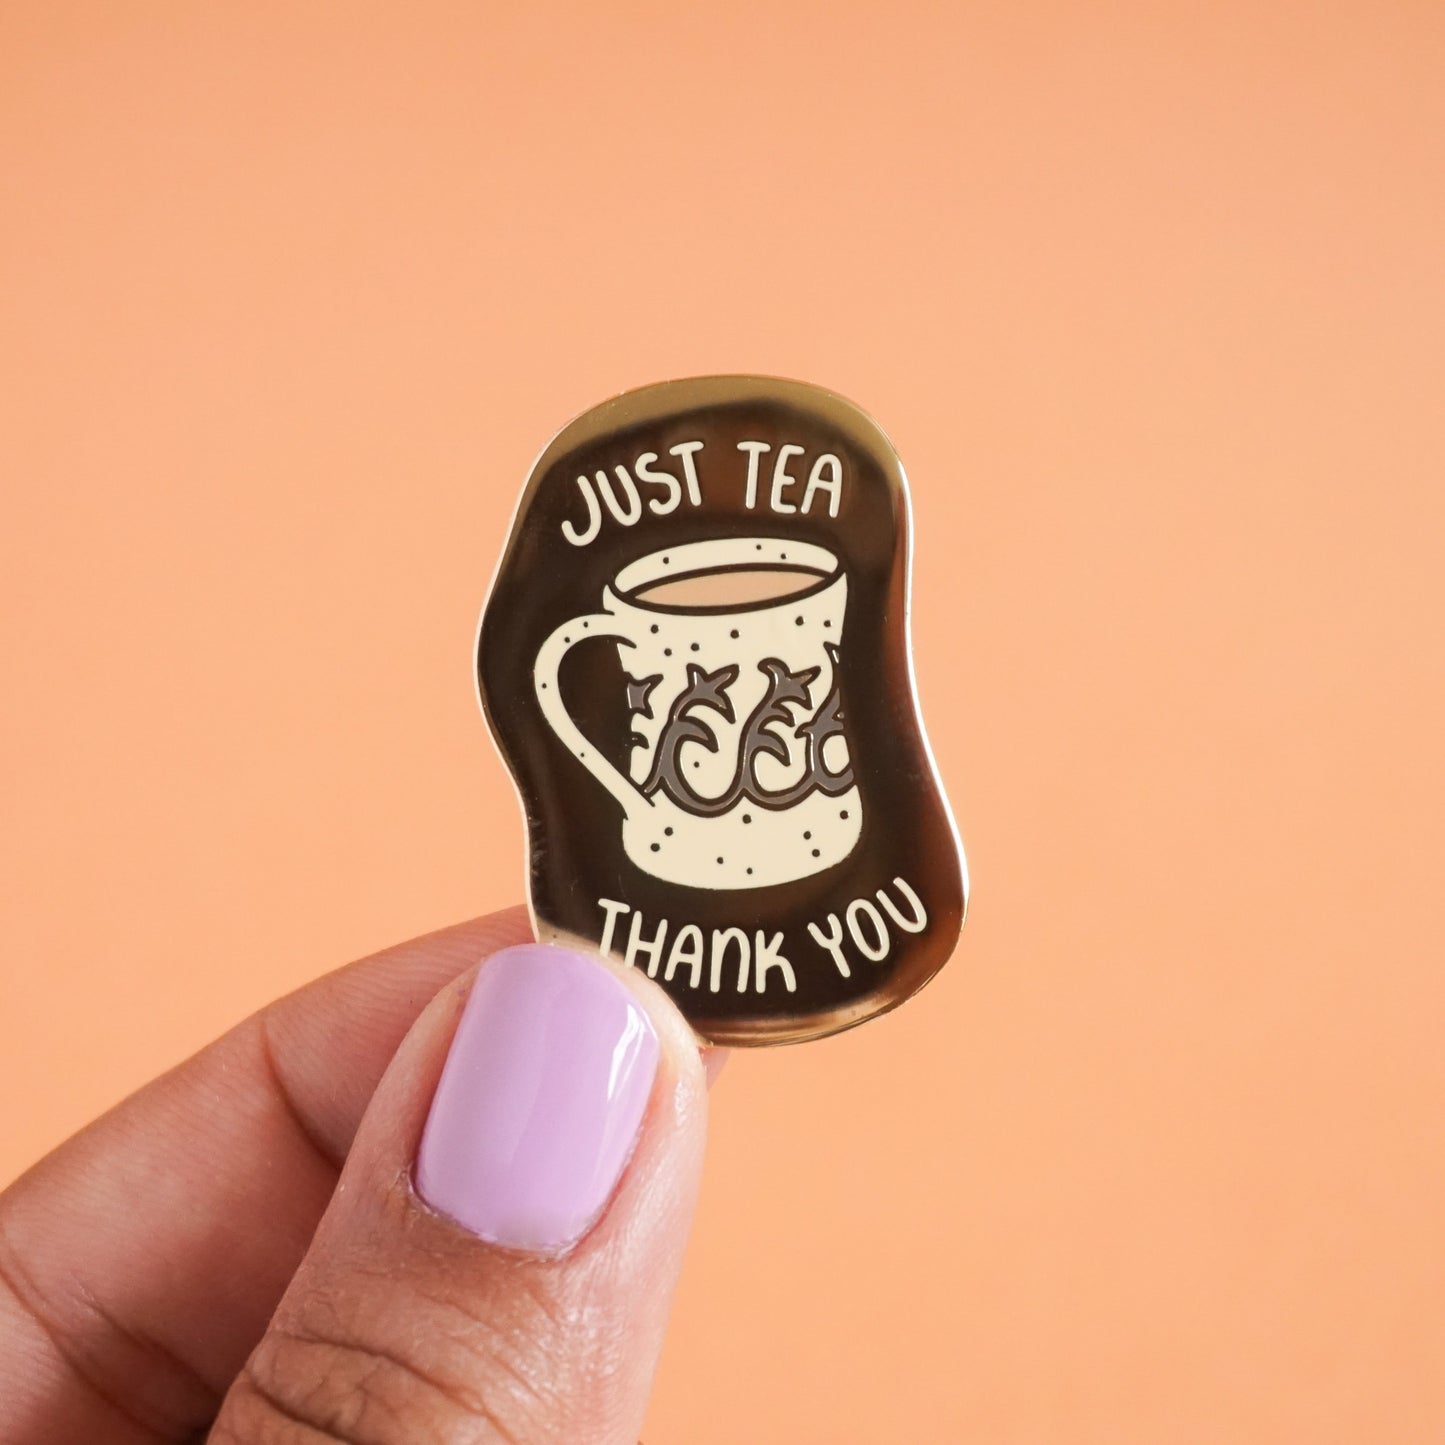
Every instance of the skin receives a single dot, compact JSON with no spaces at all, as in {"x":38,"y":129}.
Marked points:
{"x":236,"y":1252}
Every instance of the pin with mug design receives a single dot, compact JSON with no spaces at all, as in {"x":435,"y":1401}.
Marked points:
{"x":695,"y":662}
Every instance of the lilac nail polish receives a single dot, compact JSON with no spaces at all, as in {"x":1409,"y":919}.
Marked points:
{"x":540,"y":1099}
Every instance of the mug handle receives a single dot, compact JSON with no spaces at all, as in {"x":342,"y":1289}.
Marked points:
{"x":549,"y":698}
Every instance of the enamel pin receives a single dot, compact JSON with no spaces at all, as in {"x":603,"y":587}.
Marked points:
{"x":695,"y":663}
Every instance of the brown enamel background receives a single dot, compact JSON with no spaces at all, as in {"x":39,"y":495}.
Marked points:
{"x":574,"y":824}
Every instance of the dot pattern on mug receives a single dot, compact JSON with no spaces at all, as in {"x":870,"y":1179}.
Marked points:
{"x":735,"y":714}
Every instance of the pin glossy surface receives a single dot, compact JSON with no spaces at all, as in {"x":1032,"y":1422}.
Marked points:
{"x":695,"y":662}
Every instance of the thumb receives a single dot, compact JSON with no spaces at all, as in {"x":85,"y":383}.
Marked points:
{"x":498,"y":1259}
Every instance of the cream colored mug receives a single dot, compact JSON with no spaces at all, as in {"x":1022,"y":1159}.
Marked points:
{"x":739,"y":773}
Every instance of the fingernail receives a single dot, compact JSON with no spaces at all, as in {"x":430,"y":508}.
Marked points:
{"x":540,"y":1100}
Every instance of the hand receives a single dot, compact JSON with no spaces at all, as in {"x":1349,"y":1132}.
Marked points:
{"x":368,"y":1218}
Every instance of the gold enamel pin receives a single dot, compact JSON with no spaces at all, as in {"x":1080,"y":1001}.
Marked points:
{"x":695,"y":663}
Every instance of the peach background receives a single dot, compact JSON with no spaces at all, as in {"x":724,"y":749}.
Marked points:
{"x":1151,"y":299}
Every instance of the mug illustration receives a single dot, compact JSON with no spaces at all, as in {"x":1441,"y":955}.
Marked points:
{"x":739,"y":772}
